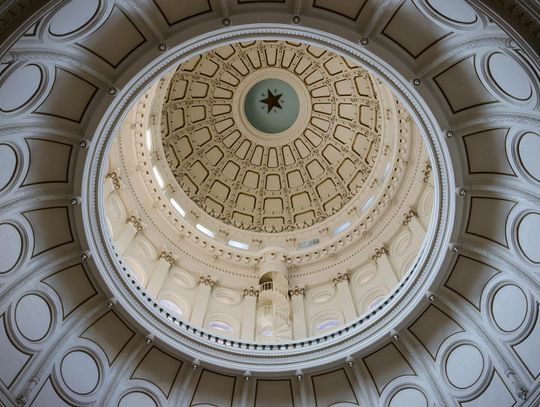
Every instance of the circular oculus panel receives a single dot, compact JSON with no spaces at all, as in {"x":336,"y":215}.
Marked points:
{"x":272,"y":106}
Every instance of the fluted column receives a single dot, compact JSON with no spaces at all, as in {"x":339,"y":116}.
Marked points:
{"x":250,"y":314}
{"x":164,"y":263}
{"x":201,"y":302}
{"x":381,"y":259}
{"x":131,"y":228}
{"x":298,"y":312}
{"x":411,"y":220}
{"x":341,"y":281}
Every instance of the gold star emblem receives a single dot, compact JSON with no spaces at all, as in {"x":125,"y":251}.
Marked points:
{"x":272,"y":101}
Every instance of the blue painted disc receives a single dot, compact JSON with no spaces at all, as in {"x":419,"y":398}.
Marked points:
{"x":271,"y":106}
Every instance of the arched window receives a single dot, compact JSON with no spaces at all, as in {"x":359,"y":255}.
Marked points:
{"x":342,"y":228}
{"x":136,"y":270}
{"x":238,"y":245}
{"x":268,"y":332}
{"x":326,"y":321}
{"x":220,"y":326}
{"x":327,"y":324}
{"x":205,"y":230}
{"x":375,"y":302}
{"x":171,"y":306}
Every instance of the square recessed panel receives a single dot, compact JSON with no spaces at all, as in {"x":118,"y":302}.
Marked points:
{"x":49,"y":161}
{"x":127,"y":38}
{"x":271,"y":393}
{"x":385,"y":364}
{"x":461,"y":86}
{"x":486,"y":152}
{"x":173,"y":12}
{"x":482,"y":213}
{"x":413,"y":31}
{"x":69,"y":97}
{"x":345,"y":8}
{"x":51,"y":228}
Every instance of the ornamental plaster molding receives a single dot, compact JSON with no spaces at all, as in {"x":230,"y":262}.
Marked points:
{"x":168,"y":257}
{"x":381,"y":251}
{"x":251,"y":292}
{"x":297,"y":291}
{"x":207,"y":281}
{"x":136,"y":222}
{"x":340,"y":278}
{"x":115,"y":179}
{"x":409,"y":216}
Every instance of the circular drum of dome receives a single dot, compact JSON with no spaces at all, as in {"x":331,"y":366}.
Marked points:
{"x":237,"y":354}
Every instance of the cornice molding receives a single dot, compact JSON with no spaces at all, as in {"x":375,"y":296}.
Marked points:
{"x":17,"y":15}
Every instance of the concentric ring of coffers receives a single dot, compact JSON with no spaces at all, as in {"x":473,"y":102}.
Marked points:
{"x":255,"y":181}
{"x":185,"y":145}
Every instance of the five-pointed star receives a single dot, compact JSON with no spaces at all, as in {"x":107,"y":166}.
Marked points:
{"x":272,"y":101}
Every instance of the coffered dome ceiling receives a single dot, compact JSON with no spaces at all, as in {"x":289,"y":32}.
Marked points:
{"x":248,"y":175}
{"x":240,"y":149}
{"x":88,"y":228}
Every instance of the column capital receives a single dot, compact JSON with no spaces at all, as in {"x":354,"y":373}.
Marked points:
{"x":207,"y":280}
{"x":340,"y":278}
{"x":426,"y":173}
{"x":381,"y":251}
{"x":115,"y":179}
{"x":137,"y":222}
{"x":167,"y":256}
{"x":408,"y":217}
{"x":251,"y":292}
{"x":296,"y":291}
